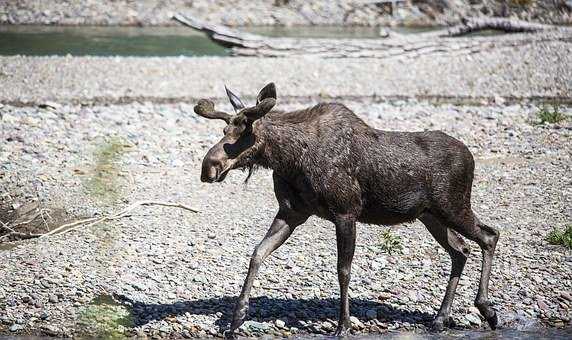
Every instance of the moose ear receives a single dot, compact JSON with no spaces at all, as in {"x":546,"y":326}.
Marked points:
{"x":258,"y":111}
{"x":268,"y":91}
{"x":234,"y":100}
{"x":205,"y":108}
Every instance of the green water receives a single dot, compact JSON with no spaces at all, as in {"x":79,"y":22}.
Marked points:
{"x":148,"y":41}
{"x":105,"y":41}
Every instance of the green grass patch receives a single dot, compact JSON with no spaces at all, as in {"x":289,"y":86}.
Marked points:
{"x":389,"y":242}
{"x":104,"y":318}
{"x":550,"y":114}
{"x":561,"y":237}
{"x":104,"y":178}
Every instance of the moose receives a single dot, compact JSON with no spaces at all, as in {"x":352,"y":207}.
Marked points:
{"x":329,"y":163}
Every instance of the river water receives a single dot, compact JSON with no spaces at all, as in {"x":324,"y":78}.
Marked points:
{"x":148,"y":41}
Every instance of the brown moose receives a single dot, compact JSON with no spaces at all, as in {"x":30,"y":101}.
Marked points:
{"x":327,"y":162}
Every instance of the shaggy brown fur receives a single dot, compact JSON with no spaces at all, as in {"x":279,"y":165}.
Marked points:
{"x":327,"y":162}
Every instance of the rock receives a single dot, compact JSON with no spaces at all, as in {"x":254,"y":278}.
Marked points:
{"x":566,"y":296}
{"x":50,"y":330}
{"x":328,"y":326}
{"x":50,"y":105}
{"x":499,"y":100}
{"x":356,"y":322}
{"x":379,"y":263}
{"x":255,"y":326}
{"x":280,"y":324}
{"x":384,"y":296}
{"x":16,"y":327}
{"x":473,"y":319}
{"x":474,"y":310}
{"x":53,"y":298}
{"x":542,"y":305}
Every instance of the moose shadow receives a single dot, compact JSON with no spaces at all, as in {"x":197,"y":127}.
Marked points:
{"x":265,"y":309}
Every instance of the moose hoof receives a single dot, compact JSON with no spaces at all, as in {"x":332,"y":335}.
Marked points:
{"x":342,"y":331}
{"x":488,"y":313}
{"x":493,"y":321}
{"x":230,"y":335}
{"x":440,"y":322}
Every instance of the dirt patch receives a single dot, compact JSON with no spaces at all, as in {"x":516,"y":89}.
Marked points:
{"x":24,"y":219}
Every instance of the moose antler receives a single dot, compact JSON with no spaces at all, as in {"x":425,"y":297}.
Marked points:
{"x":205,"y":108}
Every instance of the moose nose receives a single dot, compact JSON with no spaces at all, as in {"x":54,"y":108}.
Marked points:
{"x":210,"y":170}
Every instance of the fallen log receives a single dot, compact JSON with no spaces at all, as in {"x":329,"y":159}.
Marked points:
{"x":396,"y":45}
{"x":472,"y":25}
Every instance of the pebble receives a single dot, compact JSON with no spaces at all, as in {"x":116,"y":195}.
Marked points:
{"x":280,"y":324}
{"x":356,"y":322}
{"x":542,"y":305}
{"x":16,"y":327}
{"x":473,"y":319}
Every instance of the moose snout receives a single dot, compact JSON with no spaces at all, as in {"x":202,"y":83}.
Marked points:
{"x":210,"y":170}
{"x":213,"y":165}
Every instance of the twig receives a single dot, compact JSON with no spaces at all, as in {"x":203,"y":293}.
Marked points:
{"x":167,"y":204}
{"x":68,"y":225}
{"x":47,"y":213}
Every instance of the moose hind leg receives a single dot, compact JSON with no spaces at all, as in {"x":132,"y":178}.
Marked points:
{"x":468,"y":225}
{"x":458,"y":251}
{"x":487,"y":240}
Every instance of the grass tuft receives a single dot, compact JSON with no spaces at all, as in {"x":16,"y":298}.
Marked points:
{"x":550,"y":114}
{"x":390,"y":243}
{"x":561,"y":237}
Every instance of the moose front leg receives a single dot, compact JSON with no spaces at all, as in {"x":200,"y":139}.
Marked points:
{"x":282,"y":227}
{"x":346,"y":241}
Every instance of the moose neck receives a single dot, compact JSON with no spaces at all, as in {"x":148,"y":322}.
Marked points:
{"x":283,"y":144}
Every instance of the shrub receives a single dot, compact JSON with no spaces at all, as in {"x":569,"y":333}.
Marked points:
{"x":389,"y":242}
{"x":561,"y":237}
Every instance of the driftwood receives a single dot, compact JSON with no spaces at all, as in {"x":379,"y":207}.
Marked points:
{"x":397,"y":45}
{"x":498,"y":24}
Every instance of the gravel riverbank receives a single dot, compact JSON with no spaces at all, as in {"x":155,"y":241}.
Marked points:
{"x":169,"y":272}
{"x":533,"y":71}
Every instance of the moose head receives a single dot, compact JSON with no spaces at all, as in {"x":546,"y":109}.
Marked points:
{"x":238,"y":145}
